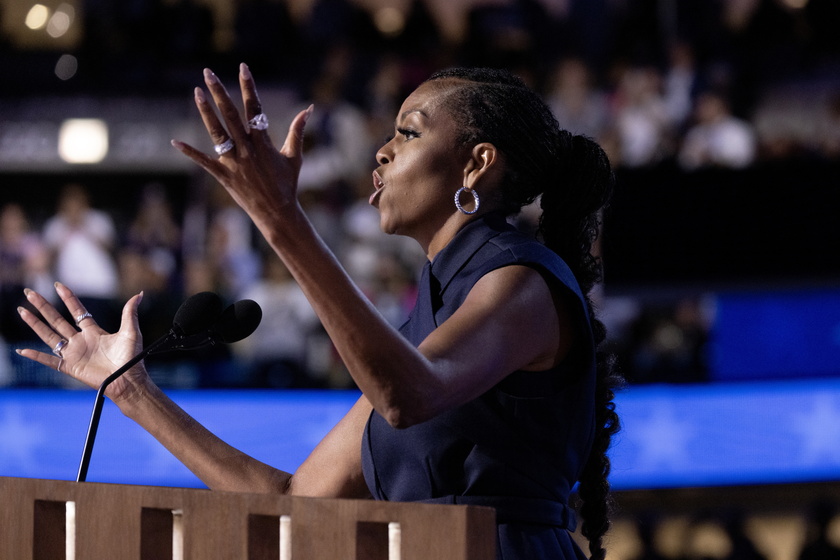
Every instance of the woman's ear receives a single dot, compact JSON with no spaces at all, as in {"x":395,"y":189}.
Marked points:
{"x":482,"y":165}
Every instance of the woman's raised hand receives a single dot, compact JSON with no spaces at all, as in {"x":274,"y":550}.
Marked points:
{"x":259,"y":177}
{"x":87,"y":353}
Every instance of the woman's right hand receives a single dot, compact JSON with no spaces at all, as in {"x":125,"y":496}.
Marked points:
{"x":259,"y":177}
{"x":91,"y":354}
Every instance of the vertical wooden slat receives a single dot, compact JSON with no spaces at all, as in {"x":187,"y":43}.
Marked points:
{"x":263,"y":537}
{"x":155,"y":533}
{"x":50,"y":535}
{"x":371,"y":541}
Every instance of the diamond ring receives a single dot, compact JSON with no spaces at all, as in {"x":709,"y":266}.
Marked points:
{"x":259,"y":122}
{"x":83,"y":316}
{"x":224,"y":147}
{"x":58,"y":347}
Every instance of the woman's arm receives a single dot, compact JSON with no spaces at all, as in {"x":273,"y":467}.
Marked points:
{"x":333,"y":469}
{"x":91,"y":354}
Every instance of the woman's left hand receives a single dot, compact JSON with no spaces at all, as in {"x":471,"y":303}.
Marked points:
{"x":85,"y":351}
{"x":260,"y":178}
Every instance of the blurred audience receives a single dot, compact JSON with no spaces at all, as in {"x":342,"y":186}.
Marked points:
{"x":648,"y":91}
{"x":82,"y":241}
{"x":818,"y":544}
{"x":717,"y":138}
{"x":577,"y":104}
{"x":644,"y":132}
{"x":275,"y":355}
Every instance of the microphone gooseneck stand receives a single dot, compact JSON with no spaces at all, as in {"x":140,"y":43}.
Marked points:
{"x":198,"y":311}
{"x":100,"y":399}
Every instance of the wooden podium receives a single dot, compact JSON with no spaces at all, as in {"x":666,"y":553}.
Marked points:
{"x":115,"y":522}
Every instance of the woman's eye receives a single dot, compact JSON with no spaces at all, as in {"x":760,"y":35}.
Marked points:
{"x":408,"y":133}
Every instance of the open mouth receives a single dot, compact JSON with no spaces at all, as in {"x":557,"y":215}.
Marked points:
{"x":378,"y":186}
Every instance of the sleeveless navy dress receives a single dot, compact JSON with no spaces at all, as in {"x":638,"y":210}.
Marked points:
{"x":519,"y":447}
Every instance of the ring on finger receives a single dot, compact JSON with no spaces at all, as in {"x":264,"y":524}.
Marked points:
{"x":224,"y":147}
{"x":83,"y":316}
{"x":259,"y":122}
{"x":59,"y":347}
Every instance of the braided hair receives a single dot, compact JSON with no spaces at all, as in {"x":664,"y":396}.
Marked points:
{"x":572,"y":178}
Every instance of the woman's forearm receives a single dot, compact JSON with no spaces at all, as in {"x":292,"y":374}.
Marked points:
{"x":390,"y":371}
{"x":219,"y":465}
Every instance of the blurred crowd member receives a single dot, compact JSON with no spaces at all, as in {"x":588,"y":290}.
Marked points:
{"x":742,"y":545}
{"x":578,"y":106}
{"x":717,"y":138}
{"x":82,"y":241}
{"x":230,"y":253}
{"x":818,"y":544}
{"x":23,"y":263}
{"x":642,"y":126}
{"x":646,"y":527}
{"x":337,"y":147}
{"x":149,"y":260}
{"x":679,"y":84}
{"x":275,"y":355}
{"x":155,"y":234}
{"x":666,"y":343}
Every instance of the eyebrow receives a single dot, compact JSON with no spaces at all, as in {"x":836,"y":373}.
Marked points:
{"x":406,"y":113}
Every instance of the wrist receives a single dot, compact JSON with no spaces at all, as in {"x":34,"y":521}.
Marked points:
{"x":136,"y":394}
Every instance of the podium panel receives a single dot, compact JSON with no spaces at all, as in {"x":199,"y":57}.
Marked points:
{"x":115,"y":522}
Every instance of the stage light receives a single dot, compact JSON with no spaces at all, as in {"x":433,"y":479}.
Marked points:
{"x":66,"y":66}
{"x":83,"y":140}
{"x":60,"y":21}
{"x":390,"y":21}
{"x":37,"y":16}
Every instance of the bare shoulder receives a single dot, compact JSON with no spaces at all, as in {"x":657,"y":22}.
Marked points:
{"x":523,"y":303}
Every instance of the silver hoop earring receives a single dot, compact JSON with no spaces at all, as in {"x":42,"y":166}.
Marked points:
{"x":458,"y":201}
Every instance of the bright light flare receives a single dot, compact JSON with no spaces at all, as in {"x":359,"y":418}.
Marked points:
{"x":61,"y":21}
{"x":83,"y":140}
{"x":37,"y":16}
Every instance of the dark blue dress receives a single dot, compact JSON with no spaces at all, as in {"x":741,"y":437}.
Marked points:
{"x":519,"y":447}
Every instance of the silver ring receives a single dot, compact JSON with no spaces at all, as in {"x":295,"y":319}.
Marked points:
{"x":259,"y":122}
{"x":58,"y":347}
{"x":83,"y":316}
{"x":224,"y":147}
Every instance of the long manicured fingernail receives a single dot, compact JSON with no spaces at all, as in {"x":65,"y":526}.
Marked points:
{"x":27,"y":292}
{"x":308,"y":113}
{"x":210,"y":76}
{"x":245,"y":71}
{"x":199,"y":95}
{"x":21,"y":309}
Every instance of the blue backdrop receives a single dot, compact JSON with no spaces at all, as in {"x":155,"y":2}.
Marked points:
{"x":673,"y":436}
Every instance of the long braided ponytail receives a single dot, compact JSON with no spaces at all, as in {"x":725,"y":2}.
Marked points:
{"x":571,"y":176}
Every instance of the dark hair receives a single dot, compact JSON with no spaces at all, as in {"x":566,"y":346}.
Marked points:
{"x":573,"y":178}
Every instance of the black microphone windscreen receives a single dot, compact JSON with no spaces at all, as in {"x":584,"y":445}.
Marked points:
{"x":197,"y":313}
{"x":239,"y":320}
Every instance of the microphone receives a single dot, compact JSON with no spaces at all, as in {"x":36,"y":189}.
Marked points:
{"x":235,"y":323}
{"x":195,"y":314}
